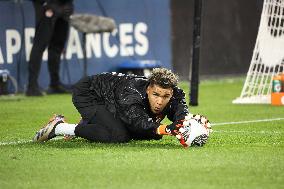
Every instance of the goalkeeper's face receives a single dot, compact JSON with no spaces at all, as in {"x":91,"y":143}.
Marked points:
{"x":158,"y":97}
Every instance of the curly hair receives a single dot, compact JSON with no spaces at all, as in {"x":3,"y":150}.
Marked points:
{"x":163,"y":77}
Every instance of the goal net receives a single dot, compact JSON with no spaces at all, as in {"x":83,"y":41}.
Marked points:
{"x":268,"y":55}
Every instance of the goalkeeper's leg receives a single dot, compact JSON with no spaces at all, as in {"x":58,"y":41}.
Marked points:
{"x":56,"y":126}
{"x":104,"y":127}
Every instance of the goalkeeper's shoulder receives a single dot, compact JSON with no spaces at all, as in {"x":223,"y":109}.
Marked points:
{"x":178,"y":92}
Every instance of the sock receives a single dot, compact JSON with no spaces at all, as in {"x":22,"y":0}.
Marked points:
{"x":65,"y":129}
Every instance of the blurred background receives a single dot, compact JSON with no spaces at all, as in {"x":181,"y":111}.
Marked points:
{"x":155,"y":32}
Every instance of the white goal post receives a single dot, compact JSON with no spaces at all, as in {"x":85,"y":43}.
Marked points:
{"x":268,"y":55}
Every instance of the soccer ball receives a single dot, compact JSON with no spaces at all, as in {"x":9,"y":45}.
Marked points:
{"x":195,"y":133}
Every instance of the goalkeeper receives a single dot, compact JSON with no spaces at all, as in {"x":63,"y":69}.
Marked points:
{"x":118,"y":108}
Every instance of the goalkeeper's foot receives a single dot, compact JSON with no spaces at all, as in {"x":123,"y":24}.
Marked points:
{"x":48,"y":131}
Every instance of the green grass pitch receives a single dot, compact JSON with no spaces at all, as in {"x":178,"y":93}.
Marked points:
{"x":249,"y":155}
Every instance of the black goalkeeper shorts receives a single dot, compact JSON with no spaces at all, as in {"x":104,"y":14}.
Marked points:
{"x":103,"y":127}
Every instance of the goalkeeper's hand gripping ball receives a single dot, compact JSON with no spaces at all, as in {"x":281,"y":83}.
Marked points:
{"x":171,"y":129}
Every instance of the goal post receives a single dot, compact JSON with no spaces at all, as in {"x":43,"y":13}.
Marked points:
{"x":268,"y":55}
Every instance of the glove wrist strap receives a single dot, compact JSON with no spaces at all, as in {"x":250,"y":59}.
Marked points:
{"x":161,"y":130}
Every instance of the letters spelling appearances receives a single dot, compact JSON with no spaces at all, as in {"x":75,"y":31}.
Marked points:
{"x":133,"y":41}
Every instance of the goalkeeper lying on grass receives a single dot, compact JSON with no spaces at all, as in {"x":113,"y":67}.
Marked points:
{"x":118,"y":108}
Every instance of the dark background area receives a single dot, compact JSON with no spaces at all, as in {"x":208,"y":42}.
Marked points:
{"x":228,"y":33}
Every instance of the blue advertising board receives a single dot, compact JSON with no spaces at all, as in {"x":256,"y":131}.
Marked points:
{"x":143,"y":33}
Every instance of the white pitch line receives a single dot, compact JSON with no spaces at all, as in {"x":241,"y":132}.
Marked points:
{"x":214,"y":124}
{"x":15,"y":142}
{"x":248,"y":132}
{"x":250,"y":121}
{"x":23,"y":142}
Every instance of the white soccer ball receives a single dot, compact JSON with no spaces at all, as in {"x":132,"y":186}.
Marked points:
{"x":195,"y":133}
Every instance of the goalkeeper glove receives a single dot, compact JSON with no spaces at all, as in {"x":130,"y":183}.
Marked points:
{"x":171,"y":129}
{"x":182,"y":136}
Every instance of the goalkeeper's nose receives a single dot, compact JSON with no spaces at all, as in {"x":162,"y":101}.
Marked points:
{"x":159,"y":101}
